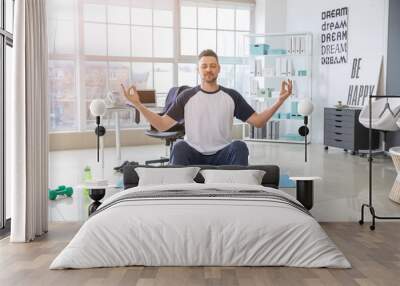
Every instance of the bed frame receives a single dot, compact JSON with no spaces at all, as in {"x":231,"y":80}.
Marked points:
{"x":270,"y":179}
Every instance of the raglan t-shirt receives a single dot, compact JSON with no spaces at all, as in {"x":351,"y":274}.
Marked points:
{"x":209,"y":116}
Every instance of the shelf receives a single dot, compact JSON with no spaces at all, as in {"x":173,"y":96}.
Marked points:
{"x":259,"y":35}
{"x":284,"y":119}
{"x":282,"y":56}
{"x":268,"y":70}
{"x":300,"y":119}
{"x":275,"y":140}
{"x":280,"y":76}
{"x":275,"y":97}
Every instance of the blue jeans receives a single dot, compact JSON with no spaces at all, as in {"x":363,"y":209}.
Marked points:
{"x":236,"y":153}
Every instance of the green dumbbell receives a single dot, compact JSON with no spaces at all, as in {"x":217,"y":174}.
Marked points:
{"x":60,"y":191}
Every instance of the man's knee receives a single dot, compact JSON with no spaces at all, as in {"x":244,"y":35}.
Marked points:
{"x":239,"y":153}
{"x":240,"y":147}
{"x":180,"y":148}
{"x":180,"y":153}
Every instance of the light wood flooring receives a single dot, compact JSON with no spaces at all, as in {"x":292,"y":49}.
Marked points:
{"x":374,"y":255}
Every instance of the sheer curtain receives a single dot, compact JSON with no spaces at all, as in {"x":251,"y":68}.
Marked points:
{"x":28,"y":123}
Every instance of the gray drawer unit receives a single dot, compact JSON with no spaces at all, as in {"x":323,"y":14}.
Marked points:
{"x":342,"y":130}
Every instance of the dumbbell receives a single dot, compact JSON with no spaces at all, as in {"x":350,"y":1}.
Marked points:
{"x":60,"y":191}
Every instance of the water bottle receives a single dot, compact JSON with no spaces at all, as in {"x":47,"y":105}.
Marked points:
{"x":87,"y":177}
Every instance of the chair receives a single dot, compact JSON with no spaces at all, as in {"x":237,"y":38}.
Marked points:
{"x":174,"y":133}
{"x":385,"y":115}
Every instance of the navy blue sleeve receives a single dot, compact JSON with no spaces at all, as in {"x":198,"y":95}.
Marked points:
{"x":177,"y":110}
{"x":243,"y":110}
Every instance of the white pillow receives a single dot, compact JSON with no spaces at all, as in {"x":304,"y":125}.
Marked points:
{"x":248,"y":177}
{"x":166,"y":176}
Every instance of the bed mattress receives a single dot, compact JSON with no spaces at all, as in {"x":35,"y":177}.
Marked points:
{"x":201,"y":225}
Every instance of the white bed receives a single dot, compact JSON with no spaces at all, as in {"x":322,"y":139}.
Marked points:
{"x":189,"y":231}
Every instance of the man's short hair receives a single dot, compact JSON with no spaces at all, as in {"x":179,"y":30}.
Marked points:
{"x":208,"y":53}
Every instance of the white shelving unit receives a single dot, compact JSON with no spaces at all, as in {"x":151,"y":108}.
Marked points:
{"x":273,"y":58}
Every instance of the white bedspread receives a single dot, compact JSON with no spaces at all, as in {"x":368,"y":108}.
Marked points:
{"x":200,"y":231}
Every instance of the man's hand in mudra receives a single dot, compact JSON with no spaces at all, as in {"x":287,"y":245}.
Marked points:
{"x":286,"y":90}
{"x":131,"y":95}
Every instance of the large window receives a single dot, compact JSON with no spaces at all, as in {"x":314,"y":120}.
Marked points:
{"x":6,"y":43}
{"x":218,"y":27}
{"x":63,"y":66}
{"x":94,"y":45}
{"x":209,"y":27}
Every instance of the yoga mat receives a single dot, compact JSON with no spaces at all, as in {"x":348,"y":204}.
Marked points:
{"x":285,"y":182}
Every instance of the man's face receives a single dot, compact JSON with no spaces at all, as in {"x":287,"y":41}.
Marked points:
{"x":208,"y":69}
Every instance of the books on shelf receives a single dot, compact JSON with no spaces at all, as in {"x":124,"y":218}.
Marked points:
{"x":258,"y":68}
{"x":269,"y":131}
{"x":283,"y":67}
{"x":296,"y":45}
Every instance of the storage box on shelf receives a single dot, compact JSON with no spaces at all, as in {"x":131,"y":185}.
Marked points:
{"x":272,"y":59}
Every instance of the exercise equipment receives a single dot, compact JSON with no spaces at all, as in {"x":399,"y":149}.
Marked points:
{"x":60,"y":191}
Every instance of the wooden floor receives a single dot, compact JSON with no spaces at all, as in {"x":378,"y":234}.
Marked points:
{"x":375,"y":257}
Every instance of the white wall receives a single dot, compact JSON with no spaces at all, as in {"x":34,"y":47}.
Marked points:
{"x":270,"y":16}
{"x":260,"y":16}
{"x":367,"y":31}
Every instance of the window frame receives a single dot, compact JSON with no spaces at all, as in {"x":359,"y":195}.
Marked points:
{"x":107,"y":59}
{"x":6,"y":39}
{"x":235,"y":60}
{"x":80,"y":58}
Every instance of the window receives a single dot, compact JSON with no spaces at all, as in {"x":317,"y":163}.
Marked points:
{"x":6,"y":43}
{"x":94,"y":45}
{"x":62,"y":66}
{"x":187,"y":74}
{"x":130,"y":40}
{"x":95,"y":86}
{"x":62,"y":97}
{"x":220,"y":27}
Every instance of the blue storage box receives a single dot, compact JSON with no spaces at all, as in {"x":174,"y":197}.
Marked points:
{"x":284,"y":115}
{"x":302,"y":72}
{"x":259,"y":49}
{"x":277,"y":52}
{"x":285,"y":182}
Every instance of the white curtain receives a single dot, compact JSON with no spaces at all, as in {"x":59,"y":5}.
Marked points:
{"x":28,"y":123}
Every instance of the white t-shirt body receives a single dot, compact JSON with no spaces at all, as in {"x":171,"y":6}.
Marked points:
{"x":209,"y":116}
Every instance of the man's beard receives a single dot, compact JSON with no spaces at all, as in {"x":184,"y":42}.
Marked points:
{"x":212,"y":79}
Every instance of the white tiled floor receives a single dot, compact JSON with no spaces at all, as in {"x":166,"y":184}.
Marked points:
{"x":338,"y":196}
